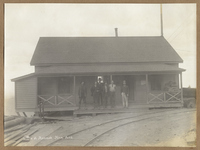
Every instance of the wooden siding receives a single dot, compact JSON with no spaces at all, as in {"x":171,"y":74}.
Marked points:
{"x":26,"y":93}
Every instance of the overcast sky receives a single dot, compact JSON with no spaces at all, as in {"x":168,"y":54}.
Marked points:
{"x":25,"y":23}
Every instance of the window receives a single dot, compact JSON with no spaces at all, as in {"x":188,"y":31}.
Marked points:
{"x":155,"y":82}
{"x":54,"y":85}
{"x":63,"y":85}
{"x":47,"y":86}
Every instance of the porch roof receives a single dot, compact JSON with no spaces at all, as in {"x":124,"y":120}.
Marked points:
{"x":103,"y":69}
{"x":110,"y":68}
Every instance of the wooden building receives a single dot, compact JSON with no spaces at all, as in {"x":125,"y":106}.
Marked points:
{"x":150,"y":66}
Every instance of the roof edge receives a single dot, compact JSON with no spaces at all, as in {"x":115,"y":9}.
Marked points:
{"x":100,"y":63}
{"x":23,"y":77}
{"x":173,"y":48}
{"x":100,"y":36}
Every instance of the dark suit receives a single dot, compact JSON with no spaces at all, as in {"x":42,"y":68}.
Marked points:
{"x":105,"y":95}
{"x":95,"y":92}
{"x":100,"y":85}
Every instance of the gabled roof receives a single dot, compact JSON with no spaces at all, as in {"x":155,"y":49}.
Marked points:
{"x":62,"y":50}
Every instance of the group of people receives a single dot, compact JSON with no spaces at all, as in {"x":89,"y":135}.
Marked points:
{"x":102,"y":92}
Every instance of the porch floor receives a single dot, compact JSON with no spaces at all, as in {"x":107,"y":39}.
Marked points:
{"x":133,"y":107}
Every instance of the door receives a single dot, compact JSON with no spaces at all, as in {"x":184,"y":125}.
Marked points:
{"x":140,"y":89}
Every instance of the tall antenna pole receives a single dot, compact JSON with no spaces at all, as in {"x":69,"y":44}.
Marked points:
{"x":161,"y":19}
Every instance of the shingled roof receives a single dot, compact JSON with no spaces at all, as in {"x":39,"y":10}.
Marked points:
{"x":70,"y":50}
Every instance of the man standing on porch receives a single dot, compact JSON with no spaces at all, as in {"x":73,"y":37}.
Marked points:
{"x":95,"y":93}
{"x":105,"y":94}
{"x":100,"y":85}
{"x":124,"y":92}
{"x":82,"y":92}
{"x":112,"y":89}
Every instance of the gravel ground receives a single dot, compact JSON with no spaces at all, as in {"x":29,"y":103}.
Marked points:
{"x":171,"y":130}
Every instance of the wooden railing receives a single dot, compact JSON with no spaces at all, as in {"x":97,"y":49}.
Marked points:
{"x":56,"y":100}
{"x":159,"y":97}
{"x":164,"y":97}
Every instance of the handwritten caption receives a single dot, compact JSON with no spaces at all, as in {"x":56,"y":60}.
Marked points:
{"x":52,"y":138}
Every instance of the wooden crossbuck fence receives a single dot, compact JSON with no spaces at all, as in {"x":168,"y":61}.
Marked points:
{"x":56,"y":100}
{"x":165,"y":97}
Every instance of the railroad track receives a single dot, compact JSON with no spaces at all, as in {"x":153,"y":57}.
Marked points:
{"x":90,"y":142}
{"x":86,"y":137}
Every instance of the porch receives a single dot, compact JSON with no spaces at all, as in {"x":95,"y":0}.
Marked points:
{"x":60,"y":93}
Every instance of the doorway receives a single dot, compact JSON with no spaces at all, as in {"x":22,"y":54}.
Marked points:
{"x":140,"y":89}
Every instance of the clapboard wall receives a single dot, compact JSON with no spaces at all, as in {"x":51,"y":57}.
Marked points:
{"x":26,"y":95}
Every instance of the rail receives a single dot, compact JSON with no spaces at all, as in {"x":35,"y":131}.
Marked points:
{"x":145,"y":117}
{"x":56,"y":100}
{"x":165,"y":97}
{"x":123,"y":124}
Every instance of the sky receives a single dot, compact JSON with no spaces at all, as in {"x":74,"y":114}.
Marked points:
{"x":25,"y":23}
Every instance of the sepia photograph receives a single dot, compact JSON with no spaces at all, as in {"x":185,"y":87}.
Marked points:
{"x":100,"y":75}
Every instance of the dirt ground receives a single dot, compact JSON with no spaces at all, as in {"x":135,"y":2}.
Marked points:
{"x":171,"y":131}
{"x":177,"y":130}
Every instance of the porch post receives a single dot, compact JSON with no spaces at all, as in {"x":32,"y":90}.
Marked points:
{"x":181,"y":87}
{"x":147,"y":88}
{"x":74,"y":89}
{"x":56,"y":96}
